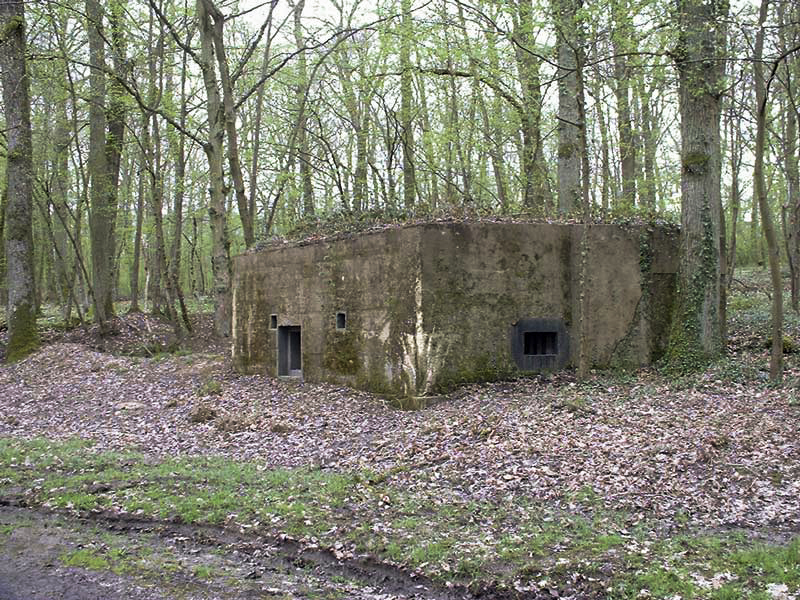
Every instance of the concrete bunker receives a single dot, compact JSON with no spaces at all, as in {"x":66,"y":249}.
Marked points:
{"x":415,"y":310}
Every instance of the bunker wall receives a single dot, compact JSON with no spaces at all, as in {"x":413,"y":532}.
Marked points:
{"x":351,"y":300}
{"x":416,"y":310}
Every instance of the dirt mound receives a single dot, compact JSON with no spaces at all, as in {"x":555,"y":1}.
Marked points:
{"x":140,"y":334}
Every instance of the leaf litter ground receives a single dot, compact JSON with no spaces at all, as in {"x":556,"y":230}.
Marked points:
{"x":530,"y":488}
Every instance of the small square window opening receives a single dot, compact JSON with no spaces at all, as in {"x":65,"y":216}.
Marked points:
{"x":540,"y":343}
{"x":273,"y":321}
{"x":341,"y":320}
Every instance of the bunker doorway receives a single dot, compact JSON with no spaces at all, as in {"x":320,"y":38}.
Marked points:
{"x":290,"y":354}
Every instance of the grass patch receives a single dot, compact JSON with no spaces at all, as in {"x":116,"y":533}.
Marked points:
{"x":86,"y":558}
{"x":203,"y":572}
{"x":210,"y":387}
{"x":476,"y":543}
{"x":145,"y":556}
{"x":716,"y":567}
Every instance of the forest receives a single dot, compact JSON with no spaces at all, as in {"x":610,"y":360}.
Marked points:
{"x":159,"y":138}
{"x":146,"y":143}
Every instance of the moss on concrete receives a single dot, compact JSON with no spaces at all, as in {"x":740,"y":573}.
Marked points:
{"x":432,"y":306}
{"x":626,"y":353}
{"x":485,"y":367}
{"x":343,"y":350}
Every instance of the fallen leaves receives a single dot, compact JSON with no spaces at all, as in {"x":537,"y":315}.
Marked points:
{"x":722,"y":454}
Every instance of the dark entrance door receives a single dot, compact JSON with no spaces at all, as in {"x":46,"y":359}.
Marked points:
{"x":290,"y":354}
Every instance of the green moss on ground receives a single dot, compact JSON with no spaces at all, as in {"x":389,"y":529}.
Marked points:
{"x":24,"y":336}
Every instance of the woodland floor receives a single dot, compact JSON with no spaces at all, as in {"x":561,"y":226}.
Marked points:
{"x":627,"y":485}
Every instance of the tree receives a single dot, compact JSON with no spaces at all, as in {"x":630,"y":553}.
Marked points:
{"x":226,"y":83}
{"x":357,"y":96}
{"x":406,"y":111}
{"x":696,"y":335}
{"x":570,"y":103}
{"x":622,"y":37}
{"x":301,"y":93}
{"x":106,"y":134}
{"x":537,"y":194}
{"x":100,"y":223}
{"x":220,"y":253}
{"x":760,"y":187}
{"x":735,"y":156}
{"x":22,"y":334}
{"x":789,"y":32}
{"x":256,"y":141}
{"x":160,"y":284}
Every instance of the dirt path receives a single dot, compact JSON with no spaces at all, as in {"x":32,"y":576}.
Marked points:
{"x":33,"y":549}
{"x":45,"y":556}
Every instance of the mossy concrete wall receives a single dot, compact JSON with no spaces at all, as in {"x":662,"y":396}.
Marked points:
{"x":369,"y":278}
{"x":431,"y":306}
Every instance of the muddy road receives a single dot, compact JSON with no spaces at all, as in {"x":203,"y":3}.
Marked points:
{"x":49,"y":556}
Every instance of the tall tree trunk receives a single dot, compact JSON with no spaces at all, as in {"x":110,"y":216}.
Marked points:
{"x":537,"y":194}
{"x":790,"y":159}
{"x":106,"y":136}
{"x":406,"y":107}
{"x":256,"y":142}
{"x":647,"y":190}
{"x":360,"y":179}
{"x":391,"y":143}
{"x":607,"y":185}
{"x":695,"y":335}
{"x":154,"y":290}
{"x":20,"y":310}
{"x":100,"y":213}
{"x":60,"y":187}
{"x":73,"y":223}
{"x":220,"y":244}
{"x":431,"y":159}
{"x":378,"y":182}
{"x":179,"y":157}
{"x":116,"y":121}
{"x":151,"y":141}
{"x":137,"y":239}
{"x":164,"y":297}
{"x":301,"y":89}
{"x":789,"y":30}
{"x":735,"y":193}
{"x":569,"y":103}
{"x":234,"y":163}
{"x":622,"y":38}
{"x":492,"y":129}
{"x":450,"y":124}
{"x":140,"y":200}
{"x":454,"y":124}
{"x":760,"y":187}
